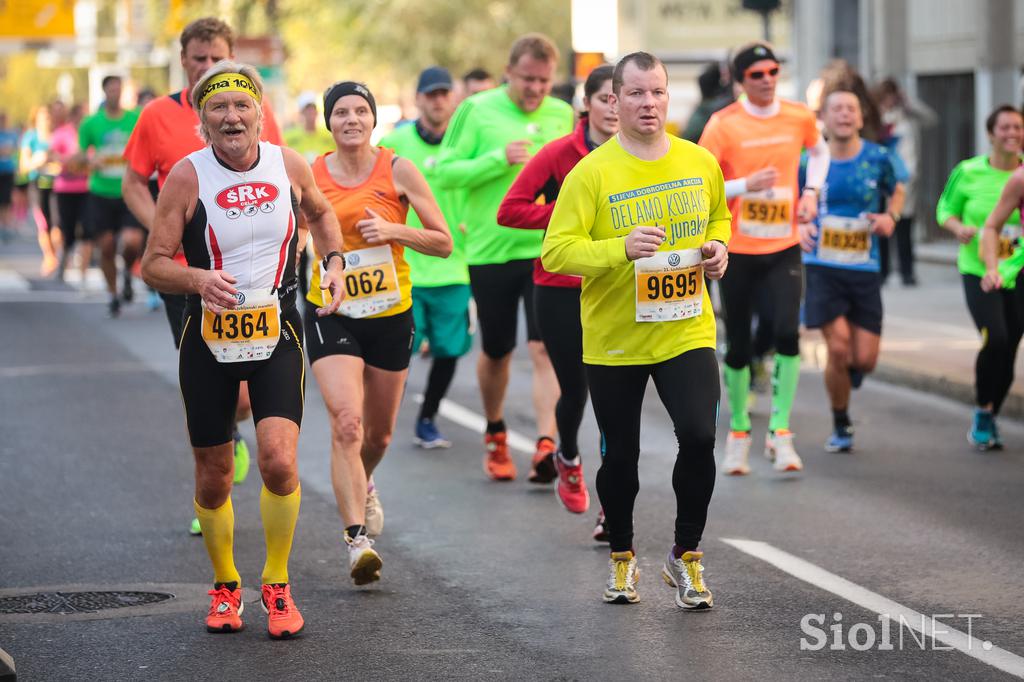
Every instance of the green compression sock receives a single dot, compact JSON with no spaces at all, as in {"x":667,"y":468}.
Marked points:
{"x":784,"y":381}
{"x":737,"y":388}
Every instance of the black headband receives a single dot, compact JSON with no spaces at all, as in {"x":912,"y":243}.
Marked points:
{"x":751,"y":55}
{"x":343,"y":88}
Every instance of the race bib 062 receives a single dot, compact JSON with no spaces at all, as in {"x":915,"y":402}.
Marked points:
{"x":371,"y":283}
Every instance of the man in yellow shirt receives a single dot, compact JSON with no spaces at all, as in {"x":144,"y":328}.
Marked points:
{"x":643,"y":219}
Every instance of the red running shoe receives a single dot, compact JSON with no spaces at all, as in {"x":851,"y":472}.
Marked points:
{"x":225,"y":614}
{"x":283,"y":618}
{"x":497,"y":463}
{"x":543,"y":469}
{"x":572,"y":488}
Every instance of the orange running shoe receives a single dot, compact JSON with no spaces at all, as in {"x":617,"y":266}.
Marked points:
{"x":498,"y":465}
{"x":226,"y":608}
{"x":283,"y":618}
{"x":543,"y":469}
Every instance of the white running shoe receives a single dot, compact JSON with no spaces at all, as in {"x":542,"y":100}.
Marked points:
{"x":778,"y":447}
{"x":374,"y":514}
{"x":737,"y":449}
{"x":363,"y":560}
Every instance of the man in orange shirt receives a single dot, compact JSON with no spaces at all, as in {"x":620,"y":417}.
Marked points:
{"x":758,"y":141}
{"x":165,"y":134}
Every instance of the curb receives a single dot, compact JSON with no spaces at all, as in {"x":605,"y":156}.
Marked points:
{"x":813,"y":354}
{"x":1013,"y":406}
{"x":7,"y":670}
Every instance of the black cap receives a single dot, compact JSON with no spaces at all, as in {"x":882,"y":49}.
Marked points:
{"x":434,"y":78}
{"x":343,"y":88}
{"x":750,"y":55}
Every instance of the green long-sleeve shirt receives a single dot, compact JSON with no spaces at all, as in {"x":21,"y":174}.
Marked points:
{"x":473,"y":160}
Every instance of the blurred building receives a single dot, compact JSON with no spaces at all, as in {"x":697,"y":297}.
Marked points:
{"x":960,"y":57}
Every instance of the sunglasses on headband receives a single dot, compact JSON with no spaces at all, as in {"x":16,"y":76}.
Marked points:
{"x":758,"y":75}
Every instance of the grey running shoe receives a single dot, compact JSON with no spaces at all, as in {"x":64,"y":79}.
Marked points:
{"x":684,"y":574}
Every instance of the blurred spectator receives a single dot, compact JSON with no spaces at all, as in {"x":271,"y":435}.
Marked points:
{"x":71,"y":190}
{"x":145,"y":96}
{"x":476,"y":80}
{"x":35,"y":164}
{"x":8,"y":169}
{"x":839,"y":75}
{"x":715,"y":93}
{"x":902,"y":123}
{"x":565,"y":92}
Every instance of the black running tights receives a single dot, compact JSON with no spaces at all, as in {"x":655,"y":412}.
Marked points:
{"x":442,"y":371}
{"x":999,"y":316}
{"x":688,"y":387}
{"x":558,"y":317}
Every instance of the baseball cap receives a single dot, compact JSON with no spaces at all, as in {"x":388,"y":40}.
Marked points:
{"x":434,"y":78}
{"x":306,"y":98}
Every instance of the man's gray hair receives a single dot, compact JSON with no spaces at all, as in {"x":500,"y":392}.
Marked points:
{"x":221,"y":67}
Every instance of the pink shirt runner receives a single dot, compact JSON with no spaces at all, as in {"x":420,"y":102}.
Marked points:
{"x":64,"y":144}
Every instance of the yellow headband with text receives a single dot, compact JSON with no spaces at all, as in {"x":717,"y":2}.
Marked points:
{"x":228,"y":82}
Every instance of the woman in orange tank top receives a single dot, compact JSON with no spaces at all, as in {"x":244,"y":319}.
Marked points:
{"x":360,"y":356}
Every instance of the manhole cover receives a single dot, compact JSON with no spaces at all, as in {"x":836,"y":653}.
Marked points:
{"x":78,"y":602}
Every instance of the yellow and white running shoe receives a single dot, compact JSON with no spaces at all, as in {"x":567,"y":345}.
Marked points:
{"x":623,"y":575}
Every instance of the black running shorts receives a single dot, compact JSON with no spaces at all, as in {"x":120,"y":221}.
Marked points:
{"x":497,"y":289}
{"x":382,"y":342}
{"x":209,"y":388}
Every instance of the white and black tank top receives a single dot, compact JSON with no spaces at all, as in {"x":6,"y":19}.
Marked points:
{"x":245,"y":223}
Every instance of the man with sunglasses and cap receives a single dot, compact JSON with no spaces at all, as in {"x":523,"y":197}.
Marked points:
{"x":440,"y":286}
{"x":758,"y":141}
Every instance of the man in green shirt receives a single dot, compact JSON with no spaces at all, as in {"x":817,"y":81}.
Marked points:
{"x":491,"y":136}
{"x":440,"y":286}
{"x":103,"y":137}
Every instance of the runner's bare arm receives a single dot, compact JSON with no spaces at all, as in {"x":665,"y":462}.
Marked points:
{"x":320,"y":218}
{"x":1009,"y":199}
{"x":321,"y":222}
{"x":177,"y":202}
{"x":434,"y":239}
{"x":135,"y":189}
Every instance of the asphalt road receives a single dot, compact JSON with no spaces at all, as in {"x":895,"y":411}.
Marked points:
{"x":488,"y":580}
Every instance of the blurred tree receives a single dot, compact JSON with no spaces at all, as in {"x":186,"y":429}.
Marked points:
{"x":387,"y":42}
{"x":23,"y":85}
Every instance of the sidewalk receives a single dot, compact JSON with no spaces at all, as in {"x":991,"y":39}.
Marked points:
{"x":928,"y":340}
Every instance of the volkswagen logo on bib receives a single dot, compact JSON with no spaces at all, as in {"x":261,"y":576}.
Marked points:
{"x":353,"y":259}
{"x":673,"y":259}
{"x":240,"y":297}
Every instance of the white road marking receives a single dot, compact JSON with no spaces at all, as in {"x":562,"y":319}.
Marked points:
{"x":983,"y":651}
{"x":83,"y":369}
{"x":12,"y":281}
{"x":476,"y":423}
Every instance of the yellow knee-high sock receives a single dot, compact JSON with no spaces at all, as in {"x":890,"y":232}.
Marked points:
{"x":219,"y":534}
{"x":279,"y":513}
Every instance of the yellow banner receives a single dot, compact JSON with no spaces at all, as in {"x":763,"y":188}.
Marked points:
{"x":37,"y":19}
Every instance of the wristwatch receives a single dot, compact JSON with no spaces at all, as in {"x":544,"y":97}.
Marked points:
{"x":816,"y":190}
{"x":332,"y":254}
{"x":896,"y":217}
